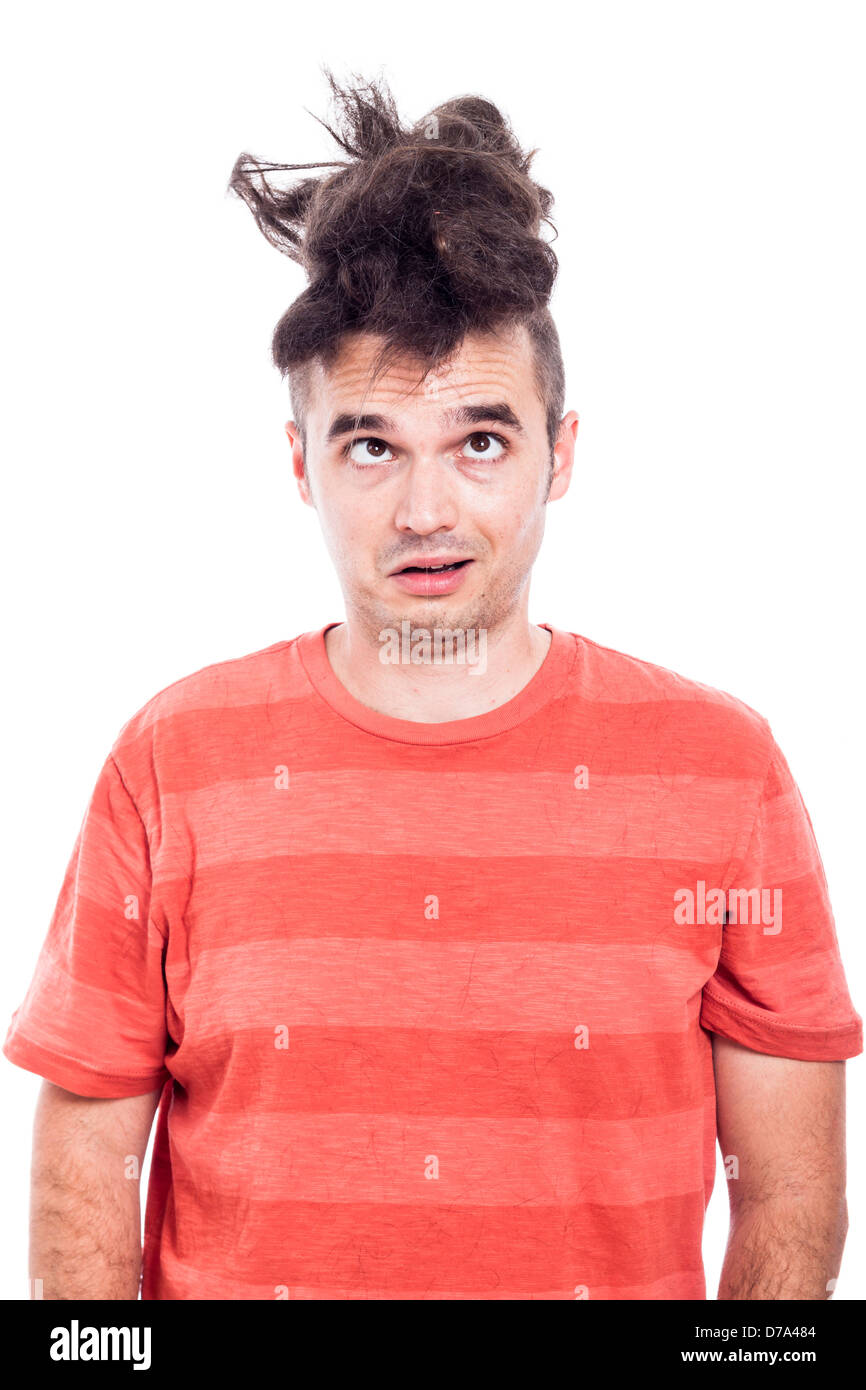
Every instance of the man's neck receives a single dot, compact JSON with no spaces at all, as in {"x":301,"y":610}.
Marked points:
{"x":437,"y":691}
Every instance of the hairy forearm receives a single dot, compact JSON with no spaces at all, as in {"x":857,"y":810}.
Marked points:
{"x":785,"y":1247}
{"x":85,"y":1229}
{"x":85,"y":1217}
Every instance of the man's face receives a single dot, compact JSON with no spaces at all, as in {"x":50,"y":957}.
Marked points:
{"x":453,"y":470}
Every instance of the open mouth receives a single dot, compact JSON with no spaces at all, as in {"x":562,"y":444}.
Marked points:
{"x":433,"y":569}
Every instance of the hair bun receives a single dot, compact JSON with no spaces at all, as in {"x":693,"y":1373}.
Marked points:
{"x":422,"y":234}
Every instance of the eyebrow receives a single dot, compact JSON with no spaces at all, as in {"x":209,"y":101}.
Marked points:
{"x":498,"y":412}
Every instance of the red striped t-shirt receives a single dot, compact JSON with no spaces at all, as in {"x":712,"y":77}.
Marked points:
{"x":430,"y":1004}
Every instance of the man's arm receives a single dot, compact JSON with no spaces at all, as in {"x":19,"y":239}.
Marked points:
{"x":85,"y":1217}
{"x":784,"y":1123}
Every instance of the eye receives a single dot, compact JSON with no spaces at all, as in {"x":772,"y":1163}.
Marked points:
{"x":485,"y":446}
{"x":371,"y":450}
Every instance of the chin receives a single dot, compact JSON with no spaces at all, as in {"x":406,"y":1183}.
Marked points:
{"x":435,"y":614}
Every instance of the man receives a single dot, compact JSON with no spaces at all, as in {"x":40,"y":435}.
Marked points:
{"x":443,"y":941}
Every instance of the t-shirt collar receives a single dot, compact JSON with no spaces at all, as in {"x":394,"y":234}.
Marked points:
{"x":543,"y":687}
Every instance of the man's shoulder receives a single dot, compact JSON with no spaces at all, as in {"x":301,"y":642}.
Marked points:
{"x":251,"y":680}
{"x":662,"y":699}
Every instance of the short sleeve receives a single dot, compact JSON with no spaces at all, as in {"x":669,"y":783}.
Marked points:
{"x":93,"y":1018}
{"x":779,"y":986}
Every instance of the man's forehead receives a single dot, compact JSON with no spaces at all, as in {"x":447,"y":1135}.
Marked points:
{"x":488,"y":368}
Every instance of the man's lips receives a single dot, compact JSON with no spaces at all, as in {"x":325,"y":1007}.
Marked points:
{"x":433,"y":576}
{"x":427,"y":562}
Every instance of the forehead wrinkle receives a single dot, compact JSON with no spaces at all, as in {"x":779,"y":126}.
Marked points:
{"x":354,"y":393}
{"x":490,"y":371}
{"x":482,"y":357}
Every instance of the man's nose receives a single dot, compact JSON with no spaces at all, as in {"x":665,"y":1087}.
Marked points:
{"x":428,"y":501}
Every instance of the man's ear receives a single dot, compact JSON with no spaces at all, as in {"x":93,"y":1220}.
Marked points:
{"x":299,"y":467}
{"x":563,"y":455}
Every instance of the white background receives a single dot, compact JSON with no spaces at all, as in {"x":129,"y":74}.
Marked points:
{"x":707,"y":163}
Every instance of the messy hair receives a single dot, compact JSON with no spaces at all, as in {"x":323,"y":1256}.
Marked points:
{"x":423,"y":234}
